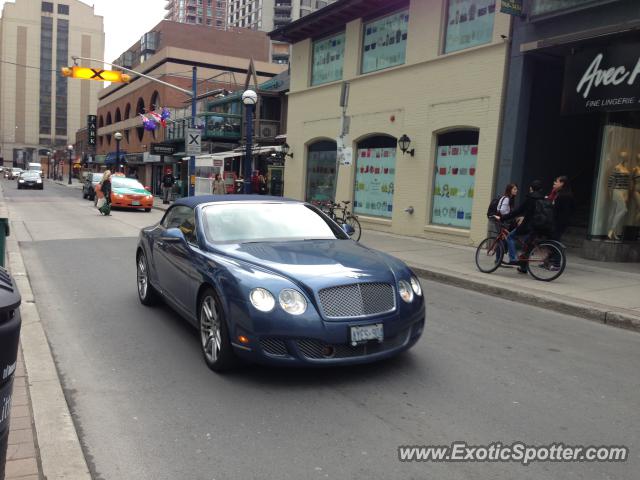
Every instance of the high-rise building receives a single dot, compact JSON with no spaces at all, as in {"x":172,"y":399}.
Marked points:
{"x":212,"y":13}
{"x":267,"y":15}
{"x":39,"y":109}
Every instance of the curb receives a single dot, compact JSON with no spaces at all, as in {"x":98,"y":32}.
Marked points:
{"x":595,"y":312}
{"x":60,"y":451}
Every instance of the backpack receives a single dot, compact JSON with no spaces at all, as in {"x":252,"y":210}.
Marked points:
{"x":543,"y":216}
{"x":493,"y":207}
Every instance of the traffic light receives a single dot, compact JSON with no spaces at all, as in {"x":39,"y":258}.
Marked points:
{"x":99,"y":74}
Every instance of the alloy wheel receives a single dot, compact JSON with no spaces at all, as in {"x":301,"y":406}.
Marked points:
{"x":143,"y":279}
{"x":210,"y":333}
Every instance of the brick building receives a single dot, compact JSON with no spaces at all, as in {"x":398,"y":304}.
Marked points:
{"x":168,"y":53}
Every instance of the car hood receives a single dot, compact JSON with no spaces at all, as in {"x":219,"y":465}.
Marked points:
{"x":317,"y":263}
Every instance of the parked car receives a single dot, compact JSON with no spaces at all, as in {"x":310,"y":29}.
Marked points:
{"x":276,"y":281}
{"x":89,"y":186}
{"x":14,"y":173}
{"x":130,"y":193}
{"x":30,"y":179}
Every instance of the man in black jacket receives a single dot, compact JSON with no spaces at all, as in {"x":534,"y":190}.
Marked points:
{"x":167,"y":185}
{"x":526,"y":211}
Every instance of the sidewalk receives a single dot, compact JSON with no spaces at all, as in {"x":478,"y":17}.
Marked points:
{"x":75,"y":183}
{"x":604,"y":292}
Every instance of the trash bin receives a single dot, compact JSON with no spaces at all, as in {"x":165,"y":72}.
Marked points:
{"x":9,"y":339}
{"x":4,"y":233}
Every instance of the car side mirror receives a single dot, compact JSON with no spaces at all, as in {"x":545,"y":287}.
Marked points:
{"x":173,"y":235}
{"x":348,"y":229}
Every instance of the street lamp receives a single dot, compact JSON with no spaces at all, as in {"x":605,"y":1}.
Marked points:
{"x":118,"y":137}
{"x":249,"y":98}
{"x":70,"y":148}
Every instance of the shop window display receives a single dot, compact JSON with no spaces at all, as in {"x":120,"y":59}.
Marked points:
{"x":616,"y":213}
{"x":469,"y":24}
{"x":454,"y":180}
{"x":375,"y":178}
{"x":385,"y":42}
{"x":321,"y":172}
{"x":328,"y":60}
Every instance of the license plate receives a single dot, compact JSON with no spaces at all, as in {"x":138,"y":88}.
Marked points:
{"x":367,"y":332}
{"x":135,"y":203}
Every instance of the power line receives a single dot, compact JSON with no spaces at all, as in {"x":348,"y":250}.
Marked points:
{"x":28,"y":66}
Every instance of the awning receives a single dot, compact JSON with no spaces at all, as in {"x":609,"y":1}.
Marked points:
{"x":207,"y":160}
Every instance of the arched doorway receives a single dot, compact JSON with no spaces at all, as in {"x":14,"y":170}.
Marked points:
{"x":375,"y":176}
{"x":321,"y":171}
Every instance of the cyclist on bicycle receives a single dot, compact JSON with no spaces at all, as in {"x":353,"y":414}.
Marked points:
{"x":527,"y":226}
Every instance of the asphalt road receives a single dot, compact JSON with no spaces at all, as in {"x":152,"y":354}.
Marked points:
{"x":146,"y":406}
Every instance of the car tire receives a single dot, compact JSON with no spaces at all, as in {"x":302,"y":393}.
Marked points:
{"x":214,"y":334}
{"x":41,"y":187}
{"x":84,"y":195}
{"x":146,"y":293}
{"x":147,"y":209}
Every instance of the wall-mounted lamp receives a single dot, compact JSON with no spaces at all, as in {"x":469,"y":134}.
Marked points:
{"x":405,"y":142}
{"x":409,"y":210}
{"x":285,"y":151}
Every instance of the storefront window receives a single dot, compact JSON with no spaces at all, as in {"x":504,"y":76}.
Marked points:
{"x":328,"y":60}
{"x":385,"y":42}
{"x":455,"y":179}
{"x":540,"y":7}
{"x":469,"y":23}
{"x":616,"y":212}
{"x":321,"y":172}
{"x":375,"y":177}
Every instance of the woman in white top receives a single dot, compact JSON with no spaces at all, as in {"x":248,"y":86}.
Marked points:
{"x":507,"y":201}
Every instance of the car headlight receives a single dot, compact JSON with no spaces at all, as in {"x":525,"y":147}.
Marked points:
{"x":21,"y":180}
{"x":119,"y":196}
{"x":405,"y":291}
{"x":292,"y":301}
{"x":415,"y":285}
{"x":38,"y":181}
{"x":262,"y":299}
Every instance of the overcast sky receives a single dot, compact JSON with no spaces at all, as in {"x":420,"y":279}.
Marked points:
{"x":124,"y":21}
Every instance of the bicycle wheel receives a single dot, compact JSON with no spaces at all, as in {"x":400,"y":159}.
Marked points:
{"x":546,"y":261}
{"x":489,"y":255}
{"x":355,"y":224}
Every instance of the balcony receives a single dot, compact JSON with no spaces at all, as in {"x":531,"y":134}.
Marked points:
{"x":216,"y":126}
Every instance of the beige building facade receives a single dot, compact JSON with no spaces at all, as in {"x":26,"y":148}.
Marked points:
{"x":39,"y":109}
{"x":427,"y":71}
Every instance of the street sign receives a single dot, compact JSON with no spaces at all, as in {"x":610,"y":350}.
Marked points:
{"x":511,"y":7}
{"x":193,"y":141}
{"x":85,"y":73}
{"x":92,"y":129}
{"x":163,"y":149}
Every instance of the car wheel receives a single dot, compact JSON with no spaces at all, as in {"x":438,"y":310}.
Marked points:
{"x":84,"y":194}
{"x":146,"y":293}
{"x":147,"y":209}
{"x":214,"y":336}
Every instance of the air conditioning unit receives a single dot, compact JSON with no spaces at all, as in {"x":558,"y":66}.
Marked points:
{"x":268,"y":130}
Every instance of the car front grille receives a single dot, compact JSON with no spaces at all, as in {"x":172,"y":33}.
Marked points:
{"x":318,"y":350}
{"x":358,"y":300}
{"x":274,"y":346}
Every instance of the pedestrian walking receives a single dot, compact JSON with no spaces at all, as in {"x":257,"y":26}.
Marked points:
{"x":262,"y":184}
{"x":167,"y":185}
{"x":219,"y":188}
{"x":563,"y":205}
{"x":104,"y":203}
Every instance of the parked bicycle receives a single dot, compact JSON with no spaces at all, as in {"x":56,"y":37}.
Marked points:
{"x":340,"y":213}
{"x":544,"y":259}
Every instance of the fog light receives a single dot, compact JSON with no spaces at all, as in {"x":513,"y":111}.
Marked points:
{"x":328,"y":351}
{"x":243,"y":339}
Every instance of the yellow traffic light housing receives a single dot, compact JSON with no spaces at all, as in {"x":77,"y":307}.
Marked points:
{"x":85,"y":73}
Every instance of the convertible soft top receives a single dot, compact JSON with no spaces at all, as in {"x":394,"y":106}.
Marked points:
{"x":200,"y":199}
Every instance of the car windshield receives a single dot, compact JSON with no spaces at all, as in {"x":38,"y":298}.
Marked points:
{"x":31,"y":175}
{"x":96,"y":177}
{"x":122,"y":182}
{"x":260,"y":222}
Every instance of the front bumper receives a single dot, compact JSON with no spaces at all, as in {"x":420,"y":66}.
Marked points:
{"x":30,"y":185}
{"x":129,"y":203}
{"x":330,"y":345}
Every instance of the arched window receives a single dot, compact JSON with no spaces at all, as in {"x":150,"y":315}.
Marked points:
{"x":140,"y":106}
{"x":109,"y":122}
{"x":454,"y":178}
{"x":118,"y":115}
{"x":375,"y":176}
{"x":108,"y":139}
{"x":100,"y":140}
{"x":140,"y":133}
{"x":126,"y":135}
{"x":100,"y":122}
{"x":127,"y":111}
{"x":154,"y":104}
{"x":321,"y":171}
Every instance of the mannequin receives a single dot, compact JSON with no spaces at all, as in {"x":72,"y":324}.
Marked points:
{"x":619,"y":182}
{"x":635,"y":177}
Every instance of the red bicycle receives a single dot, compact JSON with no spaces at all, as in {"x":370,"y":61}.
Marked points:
{"x":543,"y":258}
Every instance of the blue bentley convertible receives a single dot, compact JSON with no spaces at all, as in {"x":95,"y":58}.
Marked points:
{"x":276,"y":281}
